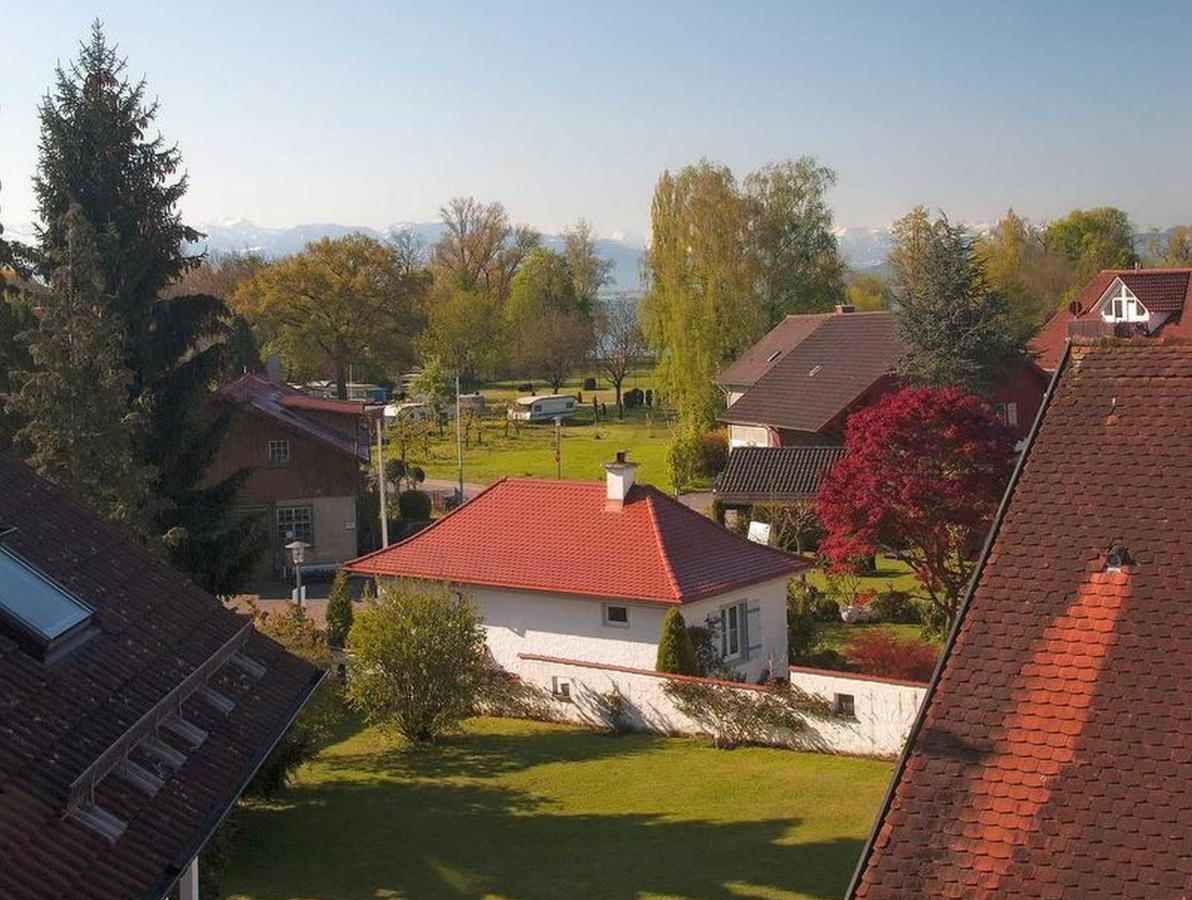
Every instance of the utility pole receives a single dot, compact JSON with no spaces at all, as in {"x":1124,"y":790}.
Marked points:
{"x":559,"y":447}
{"x":382,"y":489}
{"x":459,"y":441}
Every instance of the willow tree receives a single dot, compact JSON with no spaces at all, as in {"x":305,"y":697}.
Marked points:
{"x":702,"y":306}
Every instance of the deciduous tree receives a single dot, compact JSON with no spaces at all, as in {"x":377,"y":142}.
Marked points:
{"x":589,"y":270}
{"x":619,"y":344}
{"x":867,"y":293}
{"x":921,"y":481}
{"x":1021,"y":268}
{"x":798,"y":262}
{"x":480,"y":251}
{"x":338,"y":301}
{"x":466,"y":332}
{"x":1092,"y":239}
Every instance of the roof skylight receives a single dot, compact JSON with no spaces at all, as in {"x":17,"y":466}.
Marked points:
{"x":37,"y":606}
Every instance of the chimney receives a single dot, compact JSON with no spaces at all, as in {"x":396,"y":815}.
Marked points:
{"x":618,"y":478}
{"x":844,"y":308}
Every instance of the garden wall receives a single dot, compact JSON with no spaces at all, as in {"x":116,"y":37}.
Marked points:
{"x":882,"y":710}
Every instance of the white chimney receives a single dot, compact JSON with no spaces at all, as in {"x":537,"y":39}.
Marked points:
{"x":618,"y":478}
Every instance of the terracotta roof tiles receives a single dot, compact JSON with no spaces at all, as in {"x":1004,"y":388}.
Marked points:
{"x":1054,"y":753}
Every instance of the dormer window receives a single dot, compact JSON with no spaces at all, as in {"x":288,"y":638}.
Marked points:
{"x":1122,"y":306}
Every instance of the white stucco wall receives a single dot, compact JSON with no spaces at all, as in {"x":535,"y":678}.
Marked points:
{"x":748,"y":436}
{"x":883,"y":710}
{"x":574,"y":628}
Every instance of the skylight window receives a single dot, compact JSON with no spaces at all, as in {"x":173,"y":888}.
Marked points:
{"x":773,"y":356}
{"x":814,"y":372}
{"x":42,"y":611}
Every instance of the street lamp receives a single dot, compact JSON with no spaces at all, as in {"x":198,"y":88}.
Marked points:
{"x":297,"y":555}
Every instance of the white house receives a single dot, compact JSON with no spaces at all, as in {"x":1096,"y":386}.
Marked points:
{"x":586,"y":571}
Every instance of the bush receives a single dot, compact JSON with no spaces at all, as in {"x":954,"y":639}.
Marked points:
{"x":589,"y":384}
{"x":321,"y":716}
{"x":676,"y":654}
{"x":614,"y":710}
{"x":807,"y":598}
{"x":418,"y":660}
{"x":802,"y":631}
{"x":713,"y":451}
{"x":339,"y":610}
{"x":734,"y":716}
{"x":504,"y":694}
{"x":684,"y":455}
{"x":878,"y":652}
{"x":414,"y":505}
{"x":893,"y":606}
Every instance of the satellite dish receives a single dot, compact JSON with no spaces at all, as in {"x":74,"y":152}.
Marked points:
{"x":1075,"y":308}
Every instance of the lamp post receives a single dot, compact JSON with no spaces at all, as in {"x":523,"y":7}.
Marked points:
{"x":297,"y":555}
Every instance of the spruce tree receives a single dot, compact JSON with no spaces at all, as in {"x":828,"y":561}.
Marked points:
{"x":676,"y":653}
{"x":15,"y":319}
{"x":98,"y":151}
{"x":78,"y":429}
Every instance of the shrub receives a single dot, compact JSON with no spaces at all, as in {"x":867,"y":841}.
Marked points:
{"x":321,"y":716}
{"x":878,"y":652}
{"x":713,"y":451}
{"x":613,"y":707}
{"x":676,"y":654}
{"x":418,"y":659}
{"x":894,"y":606}
{"x":802,"y":631}
{"x":811,"y":600}
{"x":684,"y":455}
{"x":703,"y":641}
{"x":589,"y":384}
{"x":734,"y":716}
{"x":414,"y":505}
{"x":339,"y":610}
{"x":504,"y":694}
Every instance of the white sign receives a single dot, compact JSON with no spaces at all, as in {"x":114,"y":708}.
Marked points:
{"x":759,"y":532}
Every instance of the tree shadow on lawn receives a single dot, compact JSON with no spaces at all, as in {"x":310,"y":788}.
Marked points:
{"x":485,"y":755}
{"x":436,"y":839}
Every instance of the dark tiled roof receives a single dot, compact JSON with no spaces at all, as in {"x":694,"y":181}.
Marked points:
{"x":777,"y":342}
{"x":285,"y":405}
{"x":1160,"y":290}
{"x":823,"y":374}
{"x":564,"y":537}
{"x":154,"y":628}
{"x":758,"y":474}
{"x":1054,"y":755}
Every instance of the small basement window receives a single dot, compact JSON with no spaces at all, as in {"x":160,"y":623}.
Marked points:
{"x":843,"y":705}
{"x":560,"y":688}
{"x":616,"y":616}
{"x":39,"y":612}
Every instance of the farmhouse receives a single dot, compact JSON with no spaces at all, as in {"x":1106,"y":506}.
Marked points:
{"x":1053,"y":754}
{"x":1119,"y":303}
{"x":586,"y":571}
{"x":303,"y":456}
{"x":135,"y":706}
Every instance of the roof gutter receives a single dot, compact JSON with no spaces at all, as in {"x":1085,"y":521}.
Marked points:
{"x":986,"y":549}
{"x":216,"y":818}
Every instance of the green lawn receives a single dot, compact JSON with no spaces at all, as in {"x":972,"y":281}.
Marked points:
{"x":889,"y":574}
{"x":517,"y":809}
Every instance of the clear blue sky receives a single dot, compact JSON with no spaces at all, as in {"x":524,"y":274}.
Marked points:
{"x":371,"y":113}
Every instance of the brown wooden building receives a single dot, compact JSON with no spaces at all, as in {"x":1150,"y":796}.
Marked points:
{"x":305,"y":455}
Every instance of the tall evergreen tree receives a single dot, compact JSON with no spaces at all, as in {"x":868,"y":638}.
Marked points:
{"x":97,"y":152}
{"x":78,"y":428}
{"x":959,"y":330}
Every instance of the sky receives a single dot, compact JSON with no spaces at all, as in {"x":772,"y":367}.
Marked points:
{"x":377,"y":113}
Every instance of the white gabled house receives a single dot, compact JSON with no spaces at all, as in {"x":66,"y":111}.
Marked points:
{"x":586,"y":571}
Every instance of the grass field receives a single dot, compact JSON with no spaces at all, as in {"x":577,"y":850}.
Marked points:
{"x":517,"y":809}
{"x":502,"y":450}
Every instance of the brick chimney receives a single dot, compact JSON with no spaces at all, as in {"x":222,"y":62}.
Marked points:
{"x":618,"y":478}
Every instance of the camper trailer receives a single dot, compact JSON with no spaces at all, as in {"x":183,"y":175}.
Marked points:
{"x":542,"y":409}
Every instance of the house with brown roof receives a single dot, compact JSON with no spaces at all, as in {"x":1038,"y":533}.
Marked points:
{"x":1053,"y":753}
{"x":135,"y":707}
{"x":1119,"y":303}
{"x":303,"y":455}
{"x":587,"y":570}
{"x":798,"y":385}
{"x":774,"y":474}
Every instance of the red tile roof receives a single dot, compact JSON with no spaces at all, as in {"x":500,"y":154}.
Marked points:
{"x":1053,"y":757}
{"x":154,"y":629}
{"x":286,"y":406}
{"x":823,"y":374}
{"x":564,"y":537}
{"x":1160,"y":290}
{"x":776,"y":343}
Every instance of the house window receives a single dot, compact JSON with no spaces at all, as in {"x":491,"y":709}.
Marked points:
{"x":560,"y":688}
{"x":730,"y":632}
{"x":294,"y":523}
{"x":279,"y":453}
{"x":1124,"y":307}
{"x":1006,"y":413}
{"x":616,"y":616}
{"x":843,"y":705}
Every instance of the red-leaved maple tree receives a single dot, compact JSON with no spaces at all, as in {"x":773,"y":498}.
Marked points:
{"x":921,"y":481}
